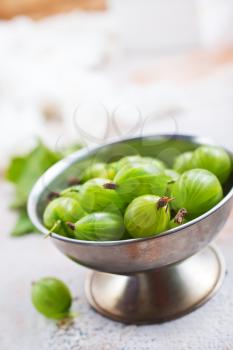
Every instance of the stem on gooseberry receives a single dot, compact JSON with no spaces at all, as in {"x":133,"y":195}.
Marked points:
{"x":171,"y":182}
{"x":57,"y":223}
{"x":179,"y":218}
{"x":52,"y":195}
{"x":110,"y":186}
{"x":163,"y":202}
{"x":73,"y":181}
{"x":74,"y":190}
{"x":70,"y":225}
{"x":68,"y":319}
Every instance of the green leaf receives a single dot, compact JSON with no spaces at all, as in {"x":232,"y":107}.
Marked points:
{"x":15,"y":169}
{"x":18,"y":201}
{"x":23,"y":225}
{"x":23,"y":172}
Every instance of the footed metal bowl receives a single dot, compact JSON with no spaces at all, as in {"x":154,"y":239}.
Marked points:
{"x":150,"y":279}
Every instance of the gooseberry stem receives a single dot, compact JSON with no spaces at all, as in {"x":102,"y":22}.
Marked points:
{"x":73,"y":181}
{"x":179,"y":218}
{"x":68,"y":319}
{"x":171,"y":182}
{"x":110,"y":186}
{"x":52,"y":195}
{"x":70,"y":225}
{"x":73,"y":314}
{"x":163,"y":202}
{"x":57,"y":223}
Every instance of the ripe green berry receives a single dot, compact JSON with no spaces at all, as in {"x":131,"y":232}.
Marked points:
{"x":141,"y":178}
{"x":51,"y":297}
{"x":172,"y":174}
{"x":130,"y":160}
{"x":214,"y":159}
{"x":98,"y":170}
{"x":99,"y":227}
{"x":72,"y":192}
{"x":183,"y":162}
{"x":147,"y":216}
{"x":100,"y":195}
{"x":59,"y":211}
{"x":197,"y":190}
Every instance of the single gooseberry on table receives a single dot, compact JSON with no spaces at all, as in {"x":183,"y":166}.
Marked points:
{"x":51,"y":297}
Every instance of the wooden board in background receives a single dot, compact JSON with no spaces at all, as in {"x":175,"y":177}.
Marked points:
{"x":42,"y":8}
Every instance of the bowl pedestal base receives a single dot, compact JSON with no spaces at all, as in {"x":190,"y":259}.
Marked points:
{"x":157,"y":295}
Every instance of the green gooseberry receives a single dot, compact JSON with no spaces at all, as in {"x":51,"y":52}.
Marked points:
{"x":147,"y":216}
{"x":60,"y":210}
{"x":114,"y":167}
{"x":172,"y":174}
{"x":118,"y":165}
{"x":197,"y":190}
{"x":98,"y":170}
{"x":100,"y":195}
{"x":72,"y":192}
{"x":136,"y":169}
{"x":179,"y":218}
{"x":128,"y":160}
{"x":183,"y":162}
{"x":99,"y":227}
{"x":111,"y":171}
{"x":51,"y":297}
{"x":140,"y":178}
{"x":214,"y":159}
{"x":156,"y":162}
{"x":138,"y":159}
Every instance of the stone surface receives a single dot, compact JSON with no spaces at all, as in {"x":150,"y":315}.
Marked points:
{"x":200,"y":87}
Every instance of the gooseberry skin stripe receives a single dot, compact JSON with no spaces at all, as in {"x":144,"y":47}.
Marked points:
{"x":55,"y":226}
{"x":102,"y":226}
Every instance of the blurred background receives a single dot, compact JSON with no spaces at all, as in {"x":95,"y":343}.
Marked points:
{"x":95,"y":69}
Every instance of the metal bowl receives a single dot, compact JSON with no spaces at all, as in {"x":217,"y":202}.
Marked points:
{"x":164,"y":276}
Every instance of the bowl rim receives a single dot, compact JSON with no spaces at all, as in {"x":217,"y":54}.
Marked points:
{"x":68,"y":161}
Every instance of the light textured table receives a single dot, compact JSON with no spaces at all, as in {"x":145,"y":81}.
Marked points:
{"x":80,"y":49}
{"x":26,"y":259}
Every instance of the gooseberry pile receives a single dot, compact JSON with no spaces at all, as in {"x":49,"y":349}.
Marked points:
{"x":139,"y":196}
